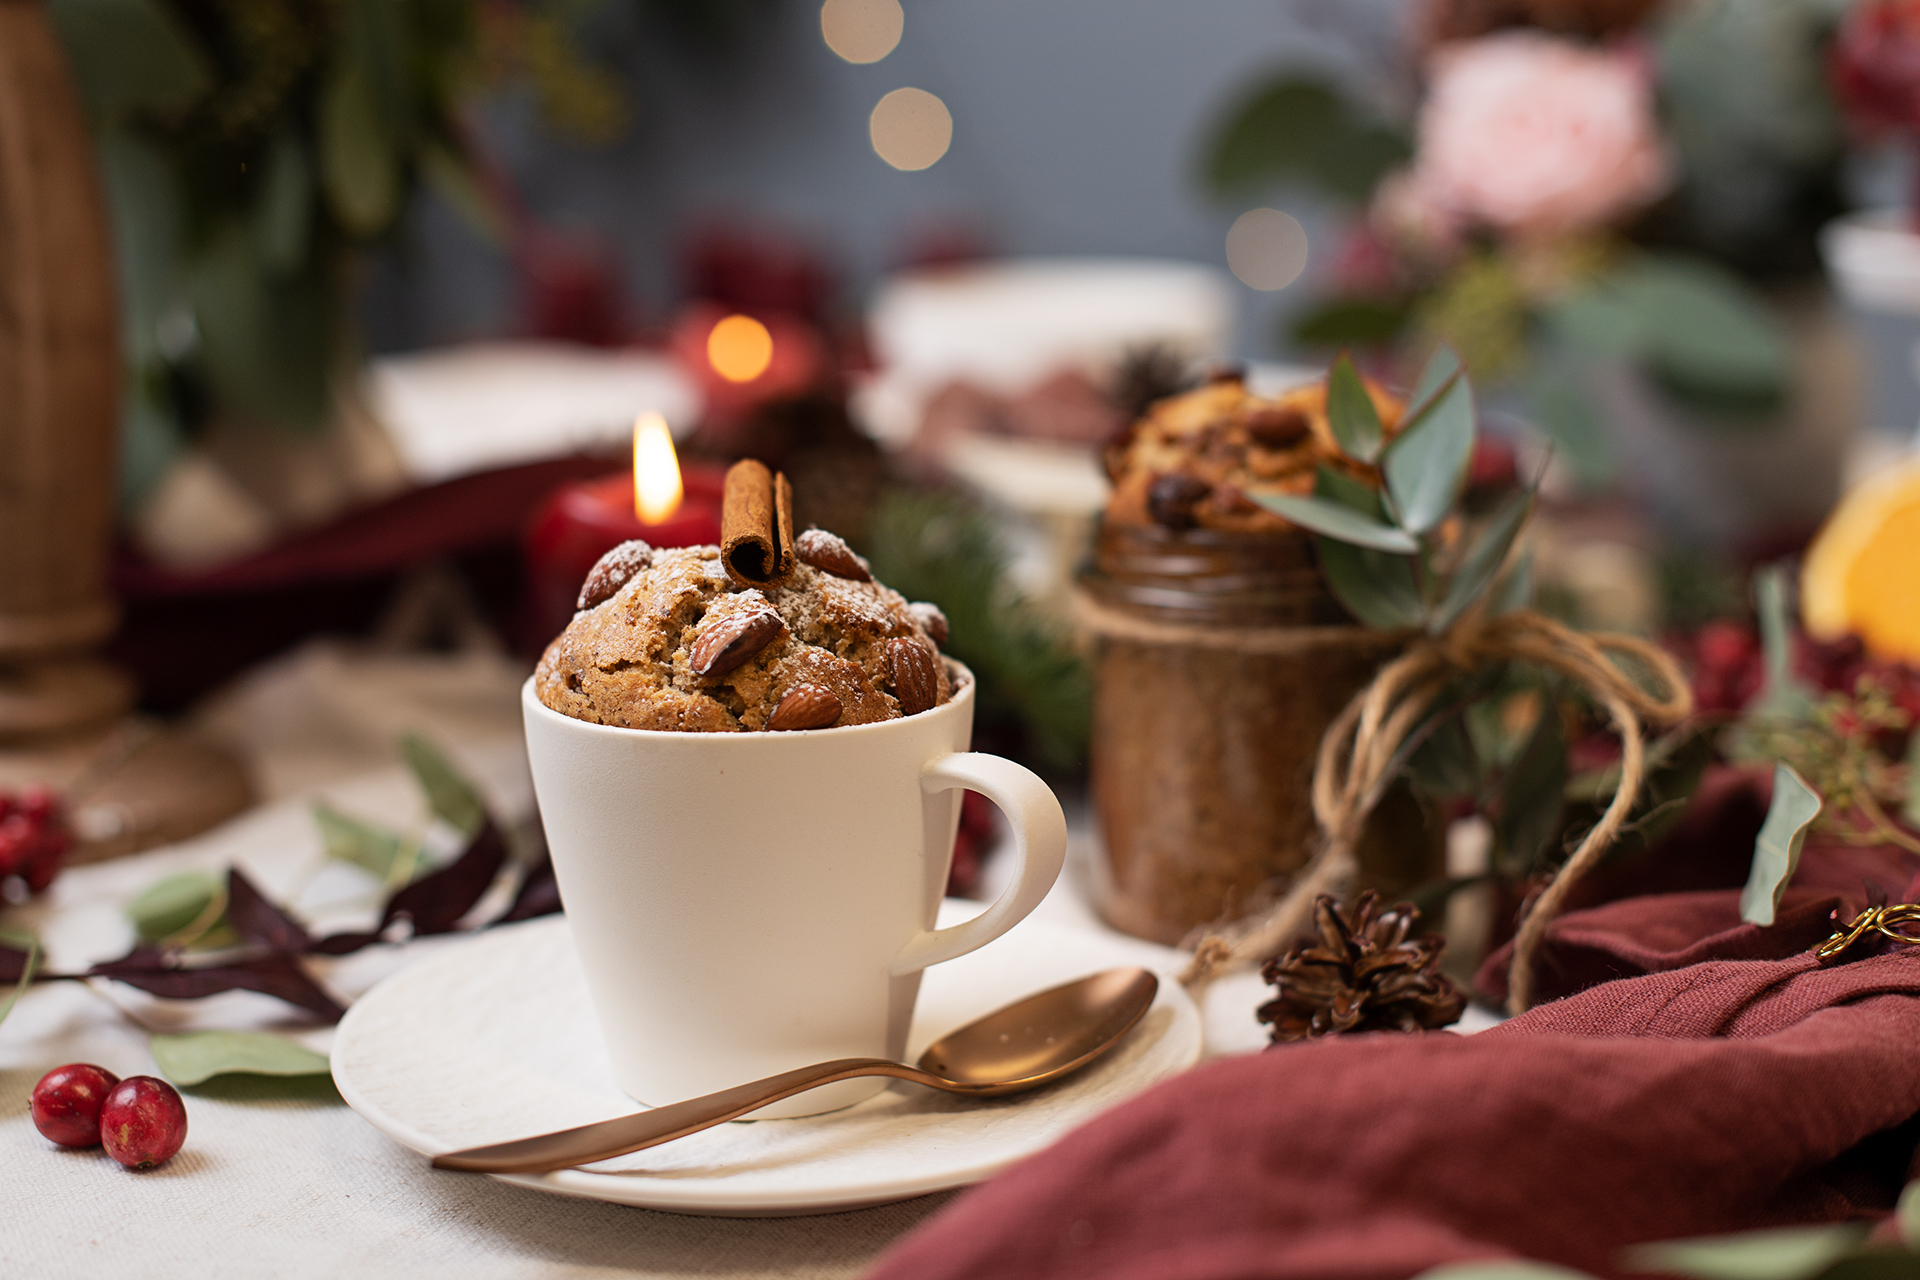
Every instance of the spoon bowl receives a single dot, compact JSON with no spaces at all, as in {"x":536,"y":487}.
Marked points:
{"x":1022,"y":1046}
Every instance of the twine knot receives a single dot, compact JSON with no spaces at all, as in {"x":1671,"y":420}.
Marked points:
{"x":1367,"y":745}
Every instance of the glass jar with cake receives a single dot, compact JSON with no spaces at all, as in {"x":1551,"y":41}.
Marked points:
{"x":1221,"y":658}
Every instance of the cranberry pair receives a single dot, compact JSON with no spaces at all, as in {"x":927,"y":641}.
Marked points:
{"x":140,"y":1120}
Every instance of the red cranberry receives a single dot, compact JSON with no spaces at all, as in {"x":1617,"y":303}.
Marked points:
{"x":143,"y":1122}
{"x":66,"y":1103}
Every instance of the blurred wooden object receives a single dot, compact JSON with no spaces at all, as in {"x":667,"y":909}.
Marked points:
{"x":59,"y":392}
{"x":60,"y":380}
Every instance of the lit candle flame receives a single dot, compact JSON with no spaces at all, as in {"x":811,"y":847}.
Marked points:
{"x":739,"y":348}
{"x":656,"y":470}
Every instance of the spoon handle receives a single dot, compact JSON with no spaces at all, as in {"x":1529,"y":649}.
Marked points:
{"x":608,"y":1138}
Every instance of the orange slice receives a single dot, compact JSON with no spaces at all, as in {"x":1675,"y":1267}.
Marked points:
{"x":1862,"y":573}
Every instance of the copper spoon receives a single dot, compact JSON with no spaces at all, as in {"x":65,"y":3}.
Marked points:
{"x":1022,"y":1046}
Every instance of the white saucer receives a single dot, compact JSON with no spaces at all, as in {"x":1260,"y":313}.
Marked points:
{"x":495,"y":1039}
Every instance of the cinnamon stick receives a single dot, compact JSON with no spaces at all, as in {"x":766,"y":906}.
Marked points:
{"x":756,"y":525}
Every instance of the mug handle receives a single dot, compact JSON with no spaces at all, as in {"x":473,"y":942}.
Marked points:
{"x":1039,"y":851}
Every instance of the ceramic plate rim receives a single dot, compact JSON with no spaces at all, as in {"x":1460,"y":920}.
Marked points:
{"x":706,"y":1199}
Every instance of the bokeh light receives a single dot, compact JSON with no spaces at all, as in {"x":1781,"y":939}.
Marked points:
{"x":739,"y":348}
{"x":1267,"y":249}
{"x":657,"y":488}
{"x":862,"y":30}
{"x":910,"y":128}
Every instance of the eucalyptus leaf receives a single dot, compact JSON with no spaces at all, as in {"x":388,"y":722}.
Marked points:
{"x":359,"y":169}
{"x":1441,"y":366}
{"x":1533,"y":793}
{"x":1350,"y":413}
{"x":172,"y":903}
{"x":1502,"y":1269}
{"x":1704,"y":331}
{"x":351,"y":840}
{"x":197,"y":1056}
{"x":1427,"y":462}
{"x":1514,"y":588}
{"x":1376,"y":587}
{"x":451,"y":796}
{"x":1557,"y":405}
{"x":1483,"y":562}
{"x":1446,"y":765}
{"x":1784,"y":696}
{"x":1793,"y":1253}
{"x":1330,"y":482}
{"x":1297,"y":127}
{"x":1338,"y":521}
{"x":32,"y":948}
{"x":1776,"y":850}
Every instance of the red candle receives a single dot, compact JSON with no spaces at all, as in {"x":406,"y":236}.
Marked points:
{"x":581,"y":522}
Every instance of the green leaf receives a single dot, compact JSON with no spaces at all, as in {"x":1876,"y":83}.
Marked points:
{"x":283,"y":221}
{"x":267,"y":342}
{"x":1427,"y":462}
{"x":1776,"y":850}
{"x":1514,"y":588}
{"x":1338,"y":521}
{"x":31,"y":945}
{"x":1441,"y":366}
{"x":1447,"y":764}
{"x":1558,"y":406}
{"x":1330,"y":482}
{"x":1302,"y":127}
{"x":198,"y":1056}
{"x":1349,"y":322}
{"x":1483,"y":562}
{"x":452,"y":798}
{"x":352,"y":840}
{"x":359,"y":169}
{"x":1377,"y":587}
{"x":1784,"y":696}
{"x":171,"y":904}
{"x":1705,"y":332}
{"x":1533,"y":793}
{"x":1793,"y":1253}
{"x":130,"y":55}
{"x":1350,"y":412}
{"x":1502,"y":1269}
{"x":1907,"y":1214}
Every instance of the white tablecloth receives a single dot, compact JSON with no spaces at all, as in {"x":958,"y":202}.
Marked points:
{"x":280,"y":1179}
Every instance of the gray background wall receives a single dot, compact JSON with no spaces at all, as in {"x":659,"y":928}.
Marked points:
{"x":1078,"y":128}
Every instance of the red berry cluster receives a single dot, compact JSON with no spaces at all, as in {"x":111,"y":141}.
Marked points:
{"x":1876,"y":64}
{"x":34,"y":837}
{"x":141,"y":1120}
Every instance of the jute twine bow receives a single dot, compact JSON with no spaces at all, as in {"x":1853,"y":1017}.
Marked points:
{"x":1365,"y":748}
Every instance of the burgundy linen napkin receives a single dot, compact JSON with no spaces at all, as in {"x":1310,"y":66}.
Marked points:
{"x":1726,"y":1095}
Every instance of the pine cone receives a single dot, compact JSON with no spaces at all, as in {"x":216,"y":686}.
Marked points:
{"x":1361,"y":974}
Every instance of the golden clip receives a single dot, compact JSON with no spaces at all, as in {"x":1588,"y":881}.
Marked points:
{"x":1880,"y":920}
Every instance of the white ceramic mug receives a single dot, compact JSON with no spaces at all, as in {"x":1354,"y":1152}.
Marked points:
{"x":747,"y":903}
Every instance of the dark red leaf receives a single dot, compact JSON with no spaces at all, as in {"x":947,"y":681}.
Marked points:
{"x":276,"y":974}
{"x":258,"y":920}
{"x":435,"y":903}
{"x":13,"y":963}
{"x":539,"y":894}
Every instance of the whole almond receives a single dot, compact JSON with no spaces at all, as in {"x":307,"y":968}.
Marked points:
{"x":727,"y":643}
{"x":916,"y":681}
{"x":829,"y":553}
{"x":805,"y":706}
{"x":931,"y":621}
{"x":613,"y":571}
